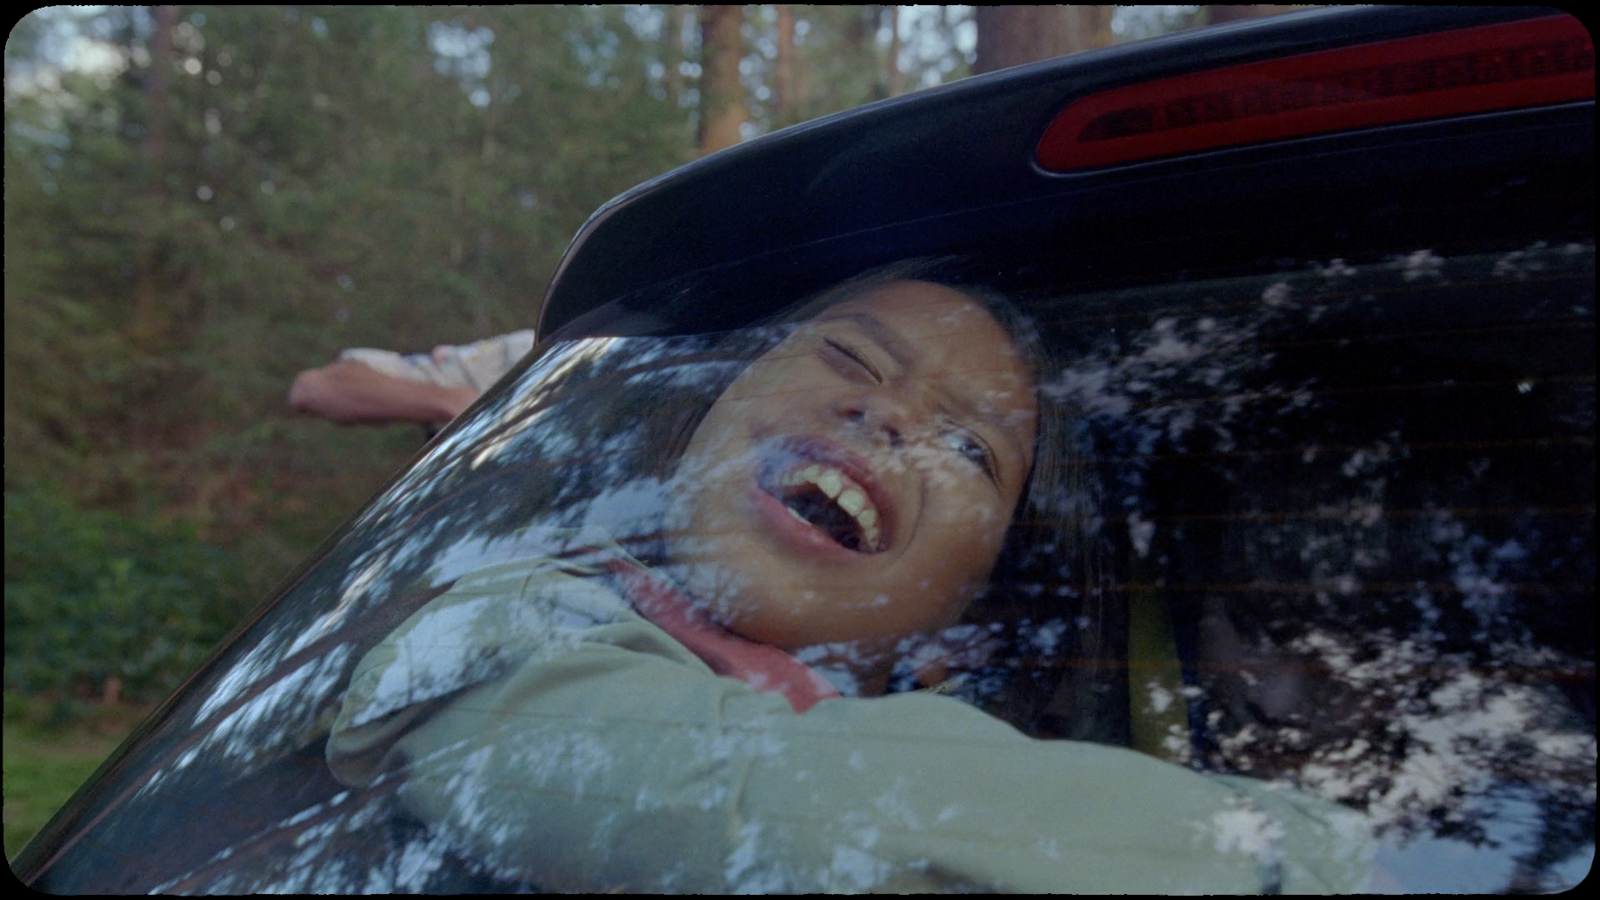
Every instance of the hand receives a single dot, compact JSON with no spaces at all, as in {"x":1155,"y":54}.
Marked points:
{"x":350,"y":393}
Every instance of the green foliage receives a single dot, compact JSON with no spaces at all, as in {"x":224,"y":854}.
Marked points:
{"x":92,"y":595}
{"x":325,"y":177}
{"x":301,"y":179}
{"x":51,"y":749}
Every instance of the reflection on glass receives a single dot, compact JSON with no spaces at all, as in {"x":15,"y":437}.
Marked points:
{"x":1357,"y":491}
{"x":1259,"y":566}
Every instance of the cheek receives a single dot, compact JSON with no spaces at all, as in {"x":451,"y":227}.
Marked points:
{"x":956,"y":561}
{"x":966,"y":502}
{"x":951,"y":599}
{"x":972,"y":544}
{"x":753,"y":398}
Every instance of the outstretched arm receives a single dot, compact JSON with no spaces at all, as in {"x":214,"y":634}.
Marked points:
{"x":605,"y":756}
{"x":351,"y":393}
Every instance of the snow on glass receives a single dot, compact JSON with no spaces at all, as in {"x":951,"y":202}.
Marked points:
{"x":1313,"y":679}
{"x":1362,"y":584}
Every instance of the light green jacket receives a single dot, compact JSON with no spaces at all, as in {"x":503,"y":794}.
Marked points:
{"x":546,"y":729}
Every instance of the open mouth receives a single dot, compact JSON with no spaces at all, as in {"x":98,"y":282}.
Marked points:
{"x":825,"y":497}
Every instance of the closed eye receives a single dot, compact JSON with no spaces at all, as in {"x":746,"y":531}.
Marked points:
{"x":973,"y":449}
{"x":851,"y":356}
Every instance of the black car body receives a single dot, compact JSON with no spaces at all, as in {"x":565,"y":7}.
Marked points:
{"x":1337,"y":380}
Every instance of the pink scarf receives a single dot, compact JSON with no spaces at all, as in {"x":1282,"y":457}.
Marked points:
{"x":765,"y":668}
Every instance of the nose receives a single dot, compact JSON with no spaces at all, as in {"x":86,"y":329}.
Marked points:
{"x":882,"y":414}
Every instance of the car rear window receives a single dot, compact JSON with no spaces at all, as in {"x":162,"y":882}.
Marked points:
{"x":1335,"y":533}
{"x":1362,"y":497}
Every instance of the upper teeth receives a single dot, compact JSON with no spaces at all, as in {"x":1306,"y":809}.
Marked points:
{"x":841,"y":489}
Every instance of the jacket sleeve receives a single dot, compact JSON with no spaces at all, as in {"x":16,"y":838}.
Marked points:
{"x":555,"y":736}
{"x":476,"y":365}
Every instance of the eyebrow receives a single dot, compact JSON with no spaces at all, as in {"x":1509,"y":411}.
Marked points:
{"x":887,"y":338}
{"x":898,"y":348}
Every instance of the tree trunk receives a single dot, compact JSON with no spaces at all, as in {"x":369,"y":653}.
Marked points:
{"x":1089,"y":27}
{"x":1217,"y":15}
{"x":156,"y":86}
{"x":802,"y":97}
{"x":722,"y":107}
{"x":674,"y":54}
{"x":897,"y":84}
{"x":1013,"y":35}
{"x":783,"y":68}
{"x":149,"y":318}
{"x":854,"y":34}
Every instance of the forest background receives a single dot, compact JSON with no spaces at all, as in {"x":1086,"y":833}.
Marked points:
{"x":201,"y":201}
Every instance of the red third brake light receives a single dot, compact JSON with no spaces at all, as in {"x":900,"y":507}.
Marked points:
{"x":1526,"y":63}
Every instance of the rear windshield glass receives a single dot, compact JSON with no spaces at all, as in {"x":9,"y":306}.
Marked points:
{"x":1275,"y":582}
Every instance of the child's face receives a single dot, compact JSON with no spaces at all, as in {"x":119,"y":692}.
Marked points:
{"x":856,"y":482}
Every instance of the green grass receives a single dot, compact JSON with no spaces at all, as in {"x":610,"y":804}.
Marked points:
{"x":50,"y":749}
